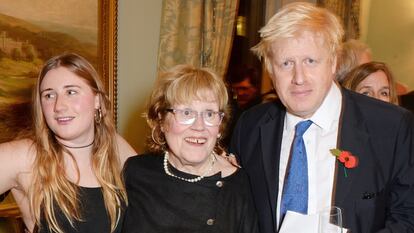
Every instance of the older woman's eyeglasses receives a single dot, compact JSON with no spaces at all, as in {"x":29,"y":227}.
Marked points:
{"x":188,"y":116}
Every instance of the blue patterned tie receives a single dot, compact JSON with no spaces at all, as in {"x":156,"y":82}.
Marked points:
{"x":295,"y":189}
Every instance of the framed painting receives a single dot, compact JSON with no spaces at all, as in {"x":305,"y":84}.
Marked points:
{"x":32,"y":31}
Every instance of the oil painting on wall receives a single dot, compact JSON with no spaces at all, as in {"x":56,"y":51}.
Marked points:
{"x":32,"y":31}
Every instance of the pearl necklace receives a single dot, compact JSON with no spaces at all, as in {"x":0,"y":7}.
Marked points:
{"x":193,"y":180}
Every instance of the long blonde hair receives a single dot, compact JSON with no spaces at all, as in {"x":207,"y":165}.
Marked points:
{"x":50,"y":187}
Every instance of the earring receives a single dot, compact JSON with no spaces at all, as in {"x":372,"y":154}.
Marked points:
{"x":219,"y":135}
{"x":98,"y":116}
{"x":156,"y":138}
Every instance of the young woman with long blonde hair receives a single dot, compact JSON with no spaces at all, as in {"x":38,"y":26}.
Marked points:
{"x":66,"y":175}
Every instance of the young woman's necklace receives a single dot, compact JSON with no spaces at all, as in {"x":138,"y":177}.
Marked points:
{"x":193,"y":180}
{"x":79,"y":147}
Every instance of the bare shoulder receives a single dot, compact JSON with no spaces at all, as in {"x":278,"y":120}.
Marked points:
{"x":225,"y":166}
{"x":124,"y":149}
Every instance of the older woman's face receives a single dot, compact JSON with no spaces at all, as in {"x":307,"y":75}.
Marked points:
{"x":191,"y":143}
{"x":375,"y":85}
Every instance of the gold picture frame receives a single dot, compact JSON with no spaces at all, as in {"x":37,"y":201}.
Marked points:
{"x":108,"y":49}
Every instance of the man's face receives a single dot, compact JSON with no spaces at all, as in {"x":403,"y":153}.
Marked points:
{"x":245,"y":91}
{"x":303,"y":72}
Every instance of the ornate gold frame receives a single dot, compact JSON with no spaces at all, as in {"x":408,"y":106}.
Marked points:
{"x":107,"y":67}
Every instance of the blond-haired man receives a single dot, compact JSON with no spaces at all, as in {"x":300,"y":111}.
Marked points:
{"x":299,"y":47}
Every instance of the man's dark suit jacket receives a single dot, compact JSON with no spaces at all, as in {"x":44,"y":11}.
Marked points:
{"x":376,"y":196}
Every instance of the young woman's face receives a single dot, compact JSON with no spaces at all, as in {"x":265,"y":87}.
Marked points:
{"x":375,"y":85}
{"x":68,"y":105}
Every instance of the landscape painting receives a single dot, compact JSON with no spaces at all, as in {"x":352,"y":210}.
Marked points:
{"x":32,"y":31}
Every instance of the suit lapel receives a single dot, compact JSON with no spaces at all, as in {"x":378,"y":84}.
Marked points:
{"x":352,"y":138}
{"x":271,"y":137}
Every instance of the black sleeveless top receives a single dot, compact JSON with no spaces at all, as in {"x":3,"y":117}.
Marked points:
{"x":93,"y":213}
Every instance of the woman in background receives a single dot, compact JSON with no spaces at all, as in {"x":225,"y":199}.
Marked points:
{"x":373,"y":79}
{"x":66,"y":175}
{"x":182,"y":184}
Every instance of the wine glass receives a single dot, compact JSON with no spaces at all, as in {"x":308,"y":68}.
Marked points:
{"x":330,"y":220}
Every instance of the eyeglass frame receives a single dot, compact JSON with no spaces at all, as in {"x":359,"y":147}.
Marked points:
{"x":175,"y":110}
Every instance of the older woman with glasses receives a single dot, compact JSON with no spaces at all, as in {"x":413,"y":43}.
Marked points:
{"x":182,"y":184}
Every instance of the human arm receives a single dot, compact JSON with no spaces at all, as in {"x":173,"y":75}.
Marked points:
{"x":124,"y":149}
{"x":16,"y":158}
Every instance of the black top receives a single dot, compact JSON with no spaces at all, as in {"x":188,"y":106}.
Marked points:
{"x":161,"y":203}
{"x":94,"y":216}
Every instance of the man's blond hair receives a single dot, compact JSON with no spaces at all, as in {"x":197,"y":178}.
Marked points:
{"x":291,"y":21}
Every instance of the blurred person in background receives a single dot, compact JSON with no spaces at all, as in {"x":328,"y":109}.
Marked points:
{"x":245,"y":85}
{"x":372,"y":79}
{"x":352,"y":54}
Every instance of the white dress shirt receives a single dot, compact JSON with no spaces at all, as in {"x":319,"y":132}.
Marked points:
{"x":319,"y":139}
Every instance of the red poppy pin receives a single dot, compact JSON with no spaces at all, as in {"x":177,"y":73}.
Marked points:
{"x":347,"y":158}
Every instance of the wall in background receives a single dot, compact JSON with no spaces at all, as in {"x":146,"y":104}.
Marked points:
{"x":138,"y":33}
{"x":390,"y":34}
